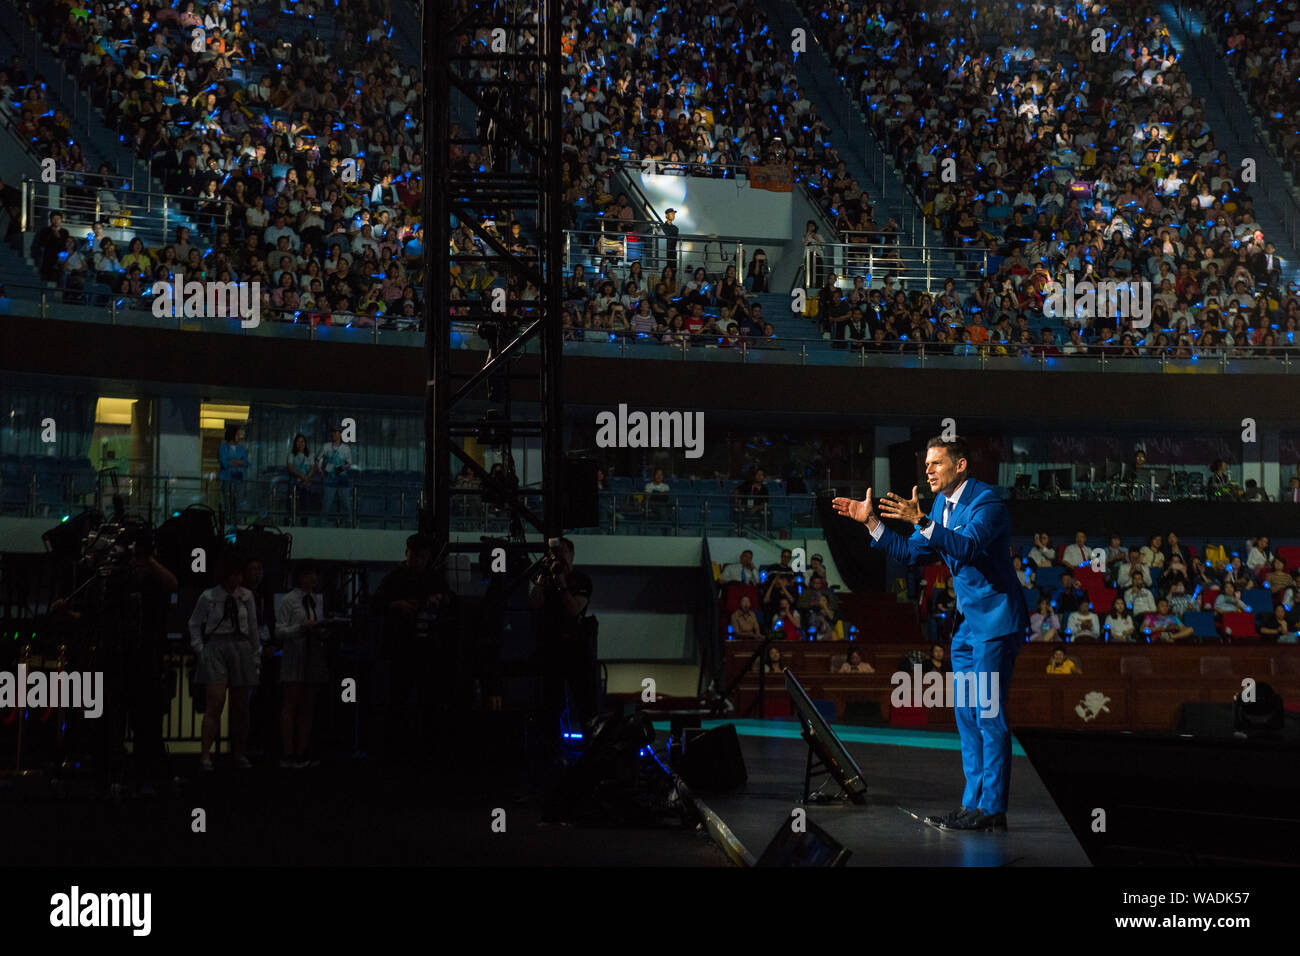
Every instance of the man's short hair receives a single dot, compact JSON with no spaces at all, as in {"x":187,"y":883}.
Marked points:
{"x":303,"y":568}
{"x":957,"y":448}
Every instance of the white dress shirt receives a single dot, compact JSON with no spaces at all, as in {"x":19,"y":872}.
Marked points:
{"x":948,"y":508}
{"x":293,"y":611}
{"x":1076,"y":556}
{"x":210,"y":618}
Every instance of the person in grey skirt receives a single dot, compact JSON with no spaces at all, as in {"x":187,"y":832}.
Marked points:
{"x":303,"y":667}
{"x":223,"y":632}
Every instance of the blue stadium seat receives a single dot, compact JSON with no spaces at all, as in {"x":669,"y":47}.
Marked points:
{"x":720,"y":517}
{"x":778,"y":515}
{"x":827,"y":709}
{"x":690,"y":513}
{"x":1259,"y":600}
{"x":1049,"y":577}
{"x":1201,"y":623}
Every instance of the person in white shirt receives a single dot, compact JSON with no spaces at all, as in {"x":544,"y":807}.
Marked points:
{"x":303,"y":668}
{"x":657,"y":488}
{"x":271,"y":234}
{"x":1077,"y":554}
{"x":1116,"y":556}
{"x":1139,"y":598}
{"x":1083,"y":624}
{"x":1228,"y":600}
{"x":744,"y":571}
{"x":1026,"y":577}
{"x":223,"y":633}
{"x":657,"y":484}
{"x":1260,"y":554}
{"x":1135,"y":565}
{"x":335,"y":463}
{"x":1119,"y":622}
{"x":1043,"y":554}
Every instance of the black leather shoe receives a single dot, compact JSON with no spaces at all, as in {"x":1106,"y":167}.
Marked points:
{"x":979,"y":820}
{"x":949,"y":817}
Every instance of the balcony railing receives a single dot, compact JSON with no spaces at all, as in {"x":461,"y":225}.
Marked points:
{"x":914,"y":266}
{"x":386,"y":501}
{"x":102,"y":307}
{"x":612,"y":251}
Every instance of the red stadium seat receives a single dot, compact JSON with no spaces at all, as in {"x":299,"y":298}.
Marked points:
{"x":1240,"y":624}
{"x":734,"y":592}
{"x":1102,"y":598}
{"x":777,"y":703}
{"x":1209,"y":596}
{"x":907,"y":717}
{"x":1291,"y":555}
{"x":1087,"y":578}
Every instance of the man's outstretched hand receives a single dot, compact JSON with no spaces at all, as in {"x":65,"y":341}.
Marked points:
{"x":909,"y":510}
{"x":852,"y":508}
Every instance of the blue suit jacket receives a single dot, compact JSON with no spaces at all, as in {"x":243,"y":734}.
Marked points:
{"x":976,"y":547}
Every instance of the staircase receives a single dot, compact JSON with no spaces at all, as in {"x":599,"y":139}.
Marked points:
{"x":852,"y":138}
{"x":1237,"y":131}
{"x":788,"y":325}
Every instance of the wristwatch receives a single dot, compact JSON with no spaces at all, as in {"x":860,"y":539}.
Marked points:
{"x":924,"y":523}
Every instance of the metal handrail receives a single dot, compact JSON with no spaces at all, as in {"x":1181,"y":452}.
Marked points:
{"x":1214,"y":358}
{"x":589,"y":248}
{"x":1221,"y":77}
{"x":851,"y":259}
{"x":737,"y":169}
{"x":58,"y":302}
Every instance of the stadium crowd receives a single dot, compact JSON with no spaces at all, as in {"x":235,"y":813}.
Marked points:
{"x":1145,"y":591}
{"x":1068,"y":160}
{"x":293,"y":173}
{"x":1257,"y":40}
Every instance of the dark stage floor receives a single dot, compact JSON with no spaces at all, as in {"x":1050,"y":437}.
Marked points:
{"x":920,"y":778}
{"x":347,"y":813}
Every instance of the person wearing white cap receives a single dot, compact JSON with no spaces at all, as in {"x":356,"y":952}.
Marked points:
{"x":335,"y":463}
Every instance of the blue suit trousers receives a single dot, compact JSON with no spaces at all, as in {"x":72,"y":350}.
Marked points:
{"x":985,"y":739}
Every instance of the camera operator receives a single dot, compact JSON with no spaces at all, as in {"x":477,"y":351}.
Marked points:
{"x":417,"y":608}
{"x":566,"y":651}
{"x":125,"y":614}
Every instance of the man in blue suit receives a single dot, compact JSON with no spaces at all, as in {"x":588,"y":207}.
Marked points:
{"x":970,"y":529}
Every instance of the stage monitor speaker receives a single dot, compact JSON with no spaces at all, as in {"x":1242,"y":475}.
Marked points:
{"x":581,"y":500}
{"x":1265,"y":715}
{"x":813,"y":847}
{"x":712,"y":762}
{"x":1202,"y":719}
